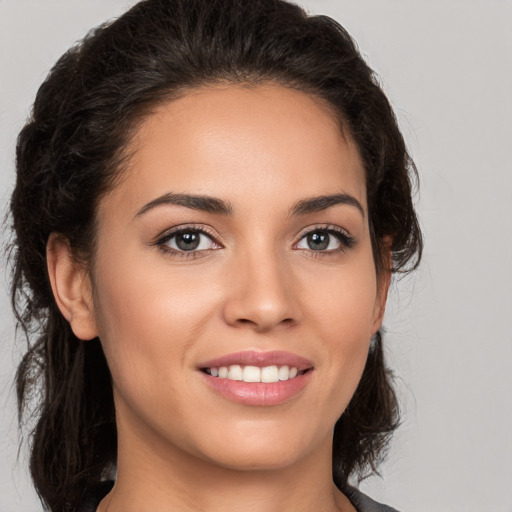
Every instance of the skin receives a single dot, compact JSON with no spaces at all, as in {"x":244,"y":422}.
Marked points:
{"x":256,"y":284}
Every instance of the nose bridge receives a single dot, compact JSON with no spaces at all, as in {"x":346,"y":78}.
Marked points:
{"x":261,"y":288}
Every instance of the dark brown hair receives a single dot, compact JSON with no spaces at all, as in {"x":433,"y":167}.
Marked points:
{"x":73,"y":147}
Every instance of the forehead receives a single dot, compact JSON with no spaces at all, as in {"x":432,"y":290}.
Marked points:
{"x":236,"y":141}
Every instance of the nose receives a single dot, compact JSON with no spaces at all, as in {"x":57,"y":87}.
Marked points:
{"x":262,"y":293}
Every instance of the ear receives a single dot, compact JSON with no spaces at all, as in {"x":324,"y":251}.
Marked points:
{"x":71,"y":286}
{"x":383,"y":282}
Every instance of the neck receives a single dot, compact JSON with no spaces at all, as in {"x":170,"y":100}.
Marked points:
{"x":160,"y":478}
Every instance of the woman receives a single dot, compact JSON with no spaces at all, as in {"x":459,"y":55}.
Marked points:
{"x":211,"y":198}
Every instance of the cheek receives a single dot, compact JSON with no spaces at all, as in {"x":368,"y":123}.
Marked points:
{"x":149,"y":325}
{"x":147,"y":317}
{"x":344,"y":316}
{"x":345,"y":298}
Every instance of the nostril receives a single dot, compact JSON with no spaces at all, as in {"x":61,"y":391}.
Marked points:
{"x":244,"y":321}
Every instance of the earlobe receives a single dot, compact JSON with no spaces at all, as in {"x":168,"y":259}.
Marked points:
{"x":71,"y":286}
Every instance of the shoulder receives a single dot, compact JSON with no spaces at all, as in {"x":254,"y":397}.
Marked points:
{"x":364,"y":503}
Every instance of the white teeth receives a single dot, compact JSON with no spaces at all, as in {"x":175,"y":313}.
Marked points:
{"x":254,"y":373}
{"x":284,"y":373}
{"x":270,"y":374}
{"x":235,"y":372}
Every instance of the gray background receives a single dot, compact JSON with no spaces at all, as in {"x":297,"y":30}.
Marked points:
{"x":446,"y":66}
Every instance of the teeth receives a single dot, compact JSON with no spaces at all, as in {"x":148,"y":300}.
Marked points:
{"x":270,"y":374}
{"x":235,"y":372}
{"x":284,"y":373}
{"x":254,"y":373}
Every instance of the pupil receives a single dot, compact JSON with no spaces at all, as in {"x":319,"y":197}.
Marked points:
{"x":318,"y":241}
{"x":187,"y":241}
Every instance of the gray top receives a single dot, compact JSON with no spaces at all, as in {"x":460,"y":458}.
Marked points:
{"x":364,"y":503}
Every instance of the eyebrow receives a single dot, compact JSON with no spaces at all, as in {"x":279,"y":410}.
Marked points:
{"x":195,"y":202}
{"x":316,"y":204}
{"x":218,"y":206}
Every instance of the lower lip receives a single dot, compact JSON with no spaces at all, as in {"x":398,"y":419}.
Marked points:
{"x":259,"y":393}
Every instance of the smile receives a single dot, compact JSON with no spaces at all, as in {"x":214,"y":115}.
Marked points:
{"x":258,"y":378}
{"x":249,"y":373}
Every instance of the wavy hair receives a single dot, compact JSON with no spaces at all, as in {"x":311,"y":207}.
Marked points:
{"x":72,"y":149}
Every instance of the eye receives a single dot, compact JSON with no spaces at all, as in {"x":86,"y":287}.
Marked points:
{"x":187,"y":240}
{"x":325,"y":240}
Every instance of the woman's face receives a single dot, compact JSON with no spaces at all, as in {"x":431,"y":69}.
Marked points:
{"x":236,"y":244}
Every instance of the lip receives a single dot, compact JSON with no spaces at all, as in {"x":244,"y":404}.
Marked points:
{"x":261,"y":359}
{"x":259,"y":394}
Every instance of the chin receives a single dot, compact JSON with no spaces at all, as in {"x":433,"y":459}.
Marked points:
{"x":264,"y":448}
{"x":249,"y":460}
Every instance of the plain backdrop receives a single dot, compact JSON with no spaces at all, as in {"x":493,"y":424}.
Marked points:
{"x":446,"y":66}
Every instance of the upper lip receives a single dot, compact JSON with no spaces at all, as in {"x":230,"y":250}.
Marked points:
{"x":261,"y":359}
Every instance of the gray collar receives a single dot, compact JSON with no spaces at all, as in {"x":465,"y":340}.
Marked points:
{"x":364,"y":503}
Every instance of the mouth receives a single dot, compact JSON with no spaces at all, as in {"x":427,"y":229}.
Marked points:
{"x":266,"y":374}
{"x":258,"y":378}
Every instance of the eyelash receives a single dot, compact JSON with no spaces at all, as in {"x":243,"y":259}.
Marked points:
{"x":345,"y":239}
